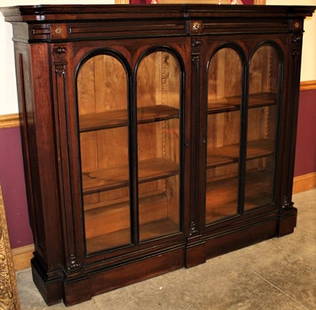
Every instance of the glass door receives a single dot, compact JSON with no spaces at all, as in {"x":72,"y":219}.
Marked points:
{"x":264,"y":78}
{"x":223,"y":134}
{"x":113,"y":130}
{"x":158,"y":144}
{"x":104,"y":130}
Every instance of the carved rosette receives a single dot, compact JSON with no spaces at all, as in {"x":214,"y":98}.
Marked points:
{"x":8,"y":292}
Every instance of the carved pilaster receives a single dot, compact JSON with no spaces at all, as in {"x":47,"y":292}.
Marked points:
{"x":60,"y":62}
{"x":196,"y":44}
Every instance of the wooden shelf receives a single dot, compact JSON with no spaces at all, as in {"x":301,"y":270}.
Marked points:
{"x":119,"y":118}
{"x":224,"y":105}
{"x":105,"y":203}
{"x":230,"y":153}
{"x":261,"y":100}
{"x":112,"y":178}
{"x":111,"y":218}
{"x":233,"y":103}
{"x":260,"y":148}
{"x":122,"y":237}
{"x":221,"y":195}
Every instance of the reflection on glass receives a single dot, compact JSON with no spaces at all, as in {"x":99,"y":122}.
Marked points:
{"x":223,"y":134}
{"x":221,"y":192}
{"x":103,"y":122}
{"x":262,"y":127}
{"x":158,"y":139}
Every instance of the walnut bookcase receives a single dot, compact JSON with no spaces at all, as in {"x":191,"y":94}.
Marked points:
{"x":154,"y":137}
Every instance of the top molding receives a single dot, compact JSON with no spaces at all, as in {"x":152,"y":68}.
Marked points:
{"x":65,"y":23}
{"x":58,"y":13}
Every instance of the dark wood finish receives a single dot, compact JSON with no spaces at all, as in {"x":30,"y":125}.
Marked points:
{"x":108,"y":279}
{"x":171,"y":208}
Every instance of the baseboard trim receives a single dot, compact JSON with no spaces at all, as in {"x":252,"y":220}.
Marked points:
{"x":308,"y":85}
{"x":304,"y":182}
{"x":9,"y":121}
{"x":22,"y":256}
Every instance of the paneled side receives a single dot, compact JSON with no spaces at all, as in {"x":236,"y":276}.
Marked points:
{"x":37,"y":129}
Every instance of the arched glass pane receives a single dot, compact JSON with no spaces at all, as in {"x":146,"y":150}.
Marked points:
{"x":103,"y":123}
{"x":262,"y":126}
{"x":223,"y":134}
{"x":158,"y":139}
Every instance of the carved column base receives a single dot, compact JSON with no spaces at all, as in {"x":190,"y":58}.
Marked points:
{"x":287,"y":221}
{"x":49,"y":285}
{"x":195,"y":253}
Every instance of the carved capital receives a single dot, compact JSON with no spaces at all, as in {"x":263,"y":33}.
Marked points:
{"x":60,"y":50}
{"x":74,"y":264}
{"x":196,"y":58}
{"x":296,"y":44}
{"x":196,"y":43}
{"x":193,"y":228}
{"x":287,"y":203}
{"x":60,"y":68}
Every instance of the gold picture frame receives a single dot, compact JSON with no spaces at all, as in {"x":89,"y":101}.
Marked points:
{"x":8,"y":289}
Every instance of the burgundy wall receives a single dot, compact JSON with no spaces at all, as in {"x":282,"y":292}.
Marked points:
{"x":306,"y":134}
{"x":13,"y":187}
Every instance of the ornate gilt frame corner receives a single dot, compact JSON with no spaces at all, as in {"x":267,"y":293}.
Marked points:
{"x":8,"y":290}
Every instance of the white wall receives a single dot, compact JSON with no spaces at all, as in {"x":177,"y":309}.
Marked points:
{"x":8,"y":96}
{"x":308,"y":72}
